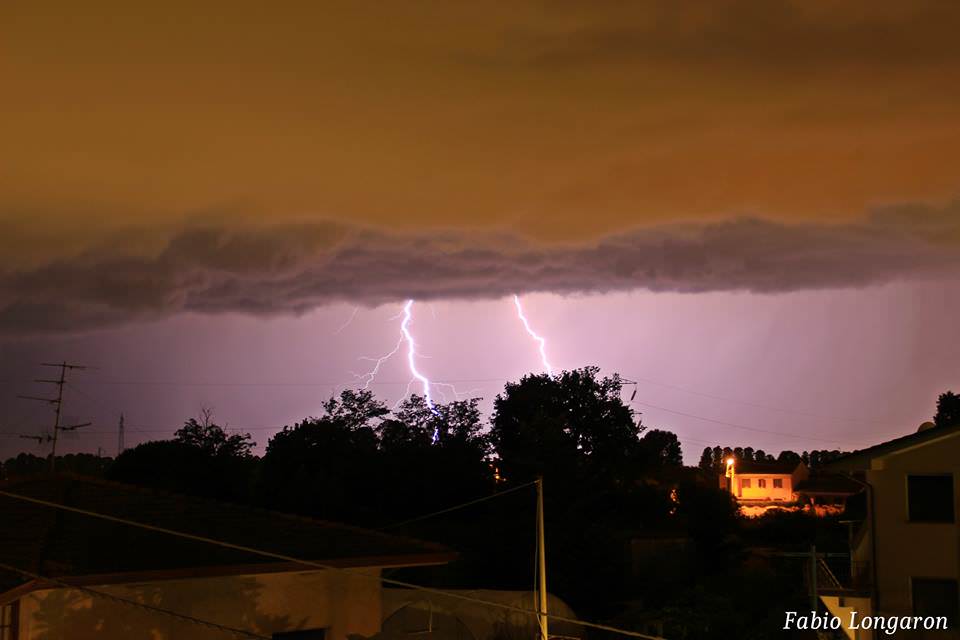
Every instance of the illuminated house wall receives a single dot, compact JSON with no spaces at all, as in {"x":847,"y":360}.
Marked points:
{"x":338,"y":603}
{"x":775,"y":481}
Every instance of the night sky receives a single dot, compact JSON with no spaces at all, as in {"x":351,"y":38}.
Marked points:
{"x":750,"y":208}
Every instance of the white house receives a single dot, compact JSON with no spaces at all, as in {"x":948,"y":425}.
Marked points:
{"x":763,"y":481}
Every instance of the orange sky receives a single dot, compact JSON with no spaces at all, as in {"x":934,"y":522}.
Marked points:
{"x":559,"y":120}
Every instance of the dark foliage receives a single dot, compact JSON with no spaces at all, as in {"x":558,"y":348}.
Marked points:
{"x":948,"y":410}
{"x":26,"y":464}
{"x":202,"y":459}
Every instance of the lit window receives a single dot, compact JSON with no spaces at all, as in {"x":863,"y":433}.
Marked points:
{"x":745,"y":483}
{"x":778,"y":483}
{"x":9,"y":621}
{"x":930,"y":498}
{"x":761,"y":483}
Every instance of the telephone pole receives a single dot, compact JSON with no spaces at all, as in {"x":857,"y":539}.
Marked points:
{"x":58,"y":407}
{"x":541,"y":565}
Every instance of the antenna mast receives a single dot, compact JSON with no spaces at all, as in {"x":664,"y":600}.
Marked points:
{"x":58,"y":410}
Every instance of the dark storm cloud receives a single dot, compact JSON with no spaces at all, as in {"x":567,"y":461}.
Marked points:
{"x":295,"y":268}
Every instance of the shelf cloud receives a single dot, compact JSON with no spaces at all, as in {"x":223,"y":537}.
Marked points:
{"x":293,"y":268}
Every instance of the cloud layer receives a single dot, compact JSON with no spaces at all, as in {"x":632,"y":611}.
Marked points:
{"x":295,"y":268}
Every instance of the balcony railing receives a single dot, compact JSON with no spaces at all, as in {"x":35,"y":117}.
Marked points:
{"x":838,"y":576}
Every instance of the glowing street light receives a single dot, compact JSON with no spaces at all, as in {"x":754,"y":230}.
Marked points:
{"x":731,"y":472}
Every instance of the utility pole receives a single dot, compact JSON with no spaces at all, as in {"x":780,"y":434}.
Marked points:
{"x":120,"y":446}
{"x":541,"y":564}
{"x":58,"y":404}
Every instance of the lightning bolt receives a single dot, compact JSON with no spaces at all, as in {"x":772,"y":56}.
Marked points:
{"x":348,"y":321}
{"x":368,"y":377}
{"x":405,"y":337}
{"x":412,"y":364}
{"x":542,"y":342}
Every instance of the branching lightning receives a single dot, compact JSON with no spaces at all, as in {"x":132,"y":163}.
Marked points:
{"x":412,"y":355}
{"x":368,"y":377}
{"x":405,"y":337}
{"x":348,"y":321}
{"x":542,"y":342}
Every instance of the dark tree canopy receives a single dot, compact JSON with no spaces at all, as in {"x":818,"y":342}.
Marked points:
{"x":661,"y":448}
{"x":319,"y":466}
{"x":213,"y":440}
{"x":202,"y":459}
{"x":948,"y":410}
{"x":363,"y":463}
{"x":564,"y":426}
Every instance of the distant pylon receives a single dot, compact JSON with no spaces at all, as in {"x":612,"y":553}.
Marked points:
{"x":120,"y":436}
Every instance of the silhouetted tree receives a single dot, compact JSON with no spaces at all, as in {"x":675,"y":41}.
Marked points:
{"x":568,"y":427}
{"x":213,"y":440}
{"x":661,"y":448}
{"x":706,"y":460}
{"x":325,"y":467}
{"x":948,"y":410}
{"x":789,"y":456}
{"x":202,"y":459}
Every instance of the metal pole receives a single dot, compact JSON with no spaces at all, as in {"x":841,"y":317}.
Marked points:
{"x":813,"y":578}
{"x":542,"y":563}
{"x":56,"y":420}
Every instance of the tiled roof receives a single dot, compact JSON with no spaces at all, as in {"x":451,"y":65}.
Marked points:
{"x":744,"y":466}
{"x":56,"y":543}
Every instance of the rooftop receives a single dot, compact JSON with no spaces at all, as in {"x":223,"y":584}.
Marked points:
{"x":57,"y":543}
{"x":746,"y":466}
{"x":861,"y":458}
{"x":828,"y":484}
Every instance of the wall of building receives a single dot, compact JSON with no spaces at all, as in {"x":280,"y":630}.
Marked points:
{"x":908,"y":549}
{"x":340,"y":602}
{"x":755,"y":492}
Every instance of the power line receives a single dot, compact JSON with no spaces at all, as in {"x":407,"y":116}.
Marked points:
{"x":459,"y":506}
{"x":647,"y":404}
{"x":746,"y":428}
{"x":320,"y":565}
{"x":134,"y":603}
{"x":757,"y":404}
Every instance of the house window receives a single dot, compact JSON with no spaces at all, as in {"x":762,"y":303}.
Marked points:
{"x":778,"y":483}
{"x":10,"y":621}
{"x":930,"y":498}
{"x":744,"y":483}
{"x":761,"y":483}
{"x":303,"y":634}
{"x":935,"y":597}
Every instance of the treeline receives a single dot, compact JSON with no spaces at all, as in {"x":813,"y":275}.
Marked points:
{"x":609,"y":481}
{"x":606,"y":477}
{"x":27,"y":464}
{"x":714,"y":459}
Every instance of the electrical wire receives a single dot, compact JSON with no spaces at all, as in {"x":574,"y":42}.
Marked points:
{"x":320,"y":565}
{"x":459,"y":506}
{"x":140,"y":605}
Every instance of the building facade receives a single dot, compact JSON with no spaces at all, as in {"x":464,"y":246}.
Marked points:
{"x":763,"y":481}
{"x":64,"y":574}
{"x":905,"y":539}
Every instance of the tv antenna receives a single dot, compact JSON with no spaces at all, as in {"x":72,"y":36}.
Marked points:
{"x":57,"y":404}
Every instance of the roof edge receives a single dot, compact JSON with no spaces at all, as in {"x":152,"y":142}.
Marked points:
{"x":160,"y":575}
